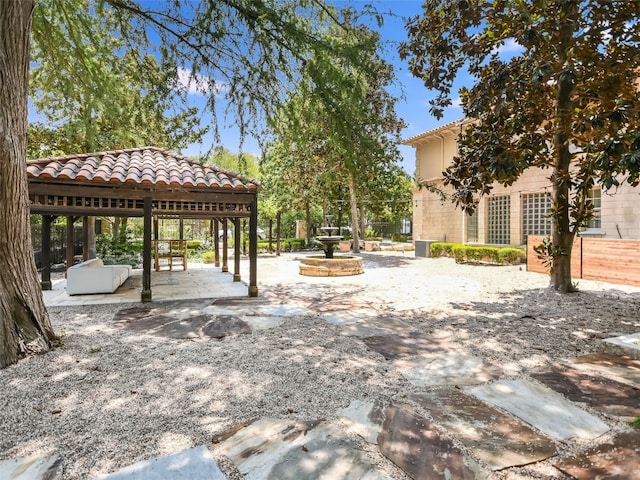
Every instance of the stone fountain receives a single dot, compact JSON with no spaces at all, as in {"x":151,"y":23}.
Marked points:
{"x":330,"y":265}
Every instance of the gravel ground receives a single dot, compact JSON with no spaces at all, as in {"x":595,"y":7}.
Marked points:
{"x":108,"y":397}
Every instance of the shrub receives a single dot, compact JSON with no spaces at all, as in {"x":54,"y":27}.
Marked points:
{"x":400,"y":237}
{"x":441,"y":249}
{"x":194,"y":245}
{"x":476,"y":254}
{"x":208,"y":256}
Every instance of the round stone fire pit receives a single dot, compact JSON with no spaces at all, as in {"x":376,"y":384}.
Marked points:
{"x":338,"y":266}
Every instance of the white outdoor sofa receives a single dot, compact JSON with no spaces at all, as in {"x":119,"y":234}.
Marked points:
{"x":92,"y":276}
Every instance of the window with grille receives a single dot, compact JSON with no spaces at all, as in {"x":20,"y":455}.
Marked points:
{"x":595,"y":196}
{"x":498,"y":225}
{"x":472,"y":227}
{"x":536,"y":215}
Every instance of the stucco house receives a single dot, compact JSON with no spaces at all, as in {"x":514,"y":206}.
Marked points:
{"x":508,"y":214}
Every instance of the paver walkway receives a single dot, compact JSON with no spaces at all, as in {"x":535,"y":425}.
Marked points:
{"x":461,"y":420}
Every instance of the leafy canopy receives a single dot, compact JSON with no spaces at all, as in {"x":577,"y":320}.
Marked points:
{"x":315,"y":151}
{"x":95,"y":94}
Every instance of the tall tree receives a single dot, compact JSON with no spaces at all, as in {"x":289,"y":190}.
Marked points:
{"x":336,"y":151}
{"x":24,"y":323}
{"x":94,"y":94}
{"x":567,"y":99}
{"x":247,"y":52}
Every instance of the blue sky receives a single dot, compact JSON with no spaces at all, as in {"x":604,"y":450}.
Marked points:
{"x":413,"y":108}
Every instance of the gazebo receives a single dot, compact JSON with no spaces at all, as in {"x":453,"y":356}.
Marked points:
{"x":146,"y":182}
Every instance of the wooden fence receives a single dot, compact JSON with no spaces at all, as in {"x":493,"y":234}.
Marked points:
{"x":602,"y":259}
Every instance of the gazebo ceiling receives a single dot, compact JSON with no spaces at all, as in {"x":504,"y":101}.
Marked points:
{"x":115,"y":183}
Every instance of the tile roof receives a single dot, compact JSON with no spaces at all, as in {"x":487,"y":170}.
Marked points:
{"x":143,"y":165}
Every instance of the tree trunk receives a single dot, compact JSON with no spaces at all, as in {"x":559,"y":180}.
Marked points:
{"x":24,"y":322}
{"x":563,"y":235}
{"x":307,"y":219}
{"x":363,"y":225}
{"x":353,"y":201}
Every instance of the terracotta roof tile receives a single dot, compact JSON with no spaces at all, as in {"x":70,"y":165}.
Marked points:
{"x":147,"y":165}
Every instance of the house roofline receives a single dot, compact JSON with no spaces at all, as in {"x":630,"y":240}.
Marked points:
{"x":416,"y":139}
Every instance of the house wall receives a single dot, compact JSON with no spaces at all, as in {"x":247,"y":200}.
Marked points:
{"x":435,"y":219}
{"x":621,"y":213}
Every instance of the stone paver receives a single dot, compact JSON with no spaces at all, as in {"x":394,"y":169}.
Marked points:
{"x":195,"y":464}
{"x":226,"y":325}
{"x":541,"y":407}
{"x":365,"y":418}
{"x":446,"y":369}
{"x":622,"y":367}
{"x":492,"y":436}
{"x":375,"y":326}
{"x":347,"y":317}
{"x":399,"y":345}
{"x":417,"y":447}
{"x":623,"y":345}
{"x":276,"y":449}
{"x":604,"y":395}
{"x":32,"y":468}
{"x":618,"y":459}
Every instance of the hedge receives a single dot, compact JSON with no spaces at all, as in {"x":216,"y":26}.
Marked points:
{"x":478,"y":254}
{"x":286,"y":244}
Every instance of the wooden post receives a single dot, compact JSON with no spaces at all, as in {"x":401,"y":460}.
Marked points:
{"x":225,"y":245}
{"x":236,"y":249}
{"x":146,"y":296}
{"x":253,"y":249}
{"x":215,"y":239}
{"x":46,"y":252}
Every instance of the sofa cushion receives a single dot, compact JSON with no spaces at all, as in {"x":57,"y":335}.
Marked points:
{"x":93,"y":276}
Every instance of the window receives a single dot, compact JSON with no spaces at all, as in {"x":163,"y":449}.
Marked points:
{"x":472,"y":227}
{"x":595,"y":197}
{"x":536,"y":215}
{"x":498,"y":225}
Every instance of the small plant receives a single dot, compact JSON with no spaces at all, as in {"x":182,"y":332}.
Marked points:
{"x":208,"y":256}
{"x":635,"y":423}
{"x":59,"y":340}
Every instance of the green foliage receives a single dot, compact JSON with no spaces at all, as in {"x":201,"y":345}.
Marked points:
{"x":293,"y":244}
{"x":194,"y":245}
{"x":635,"y":423}
{"x":122,"y":259}
{"x":107,"y":245}
{"x":95,"y":91}
{"x":243,"y":163}
{"x":483,"y":254}
{"x":545,"y":253}
{"x":317,"y":156}
{"x":400,"y":237}
{"x":441,"y":249}
{"x":478,"y":254}
{"x":208,"y":256}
